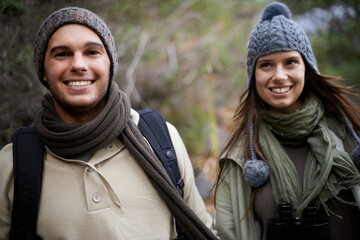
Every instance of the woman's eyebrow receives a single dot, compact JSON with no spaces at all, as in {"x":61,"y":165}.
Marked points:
{"x":294,"y":57}
{"x":267,"y":60}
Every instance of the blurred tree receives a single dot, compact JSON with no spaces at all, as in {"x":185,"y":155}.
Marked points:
{"x":184,"y":58}
{"x":337,"y":44}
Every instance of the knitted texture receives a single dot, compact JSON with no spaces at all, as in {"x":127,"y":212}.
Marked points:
{"x":72,"y":15}
{"x":276,"y":32}
{"x":356,"y":151}
{"x":256,"y":172}
{"x":78,"y":140}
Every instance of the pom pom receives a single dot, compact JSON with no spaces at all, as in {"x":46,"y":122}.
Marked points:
{"x":356,"y":157}
{"x":275,"y":9}
{"x":256,"y":172}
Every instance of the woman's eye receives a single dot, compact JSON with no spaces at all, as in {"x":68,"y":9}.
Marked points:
{"x":290,"y":62}
{"x":264,"y":65}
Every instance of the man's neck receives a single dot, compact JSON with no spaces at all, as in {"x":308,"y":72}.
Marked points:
{"x":79,"y":115}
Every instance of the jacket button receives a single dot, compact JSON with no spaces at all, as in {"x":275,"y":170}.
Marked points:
{"x":169,"y":154}
{"x":96,"y":197}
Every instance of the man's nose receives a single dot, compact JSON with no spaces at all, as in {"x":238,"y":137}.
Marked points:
{"x":78,"y":63}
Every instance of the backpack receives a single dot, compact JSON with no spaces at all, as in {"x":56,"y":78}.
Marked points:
{"x":28,"y":152}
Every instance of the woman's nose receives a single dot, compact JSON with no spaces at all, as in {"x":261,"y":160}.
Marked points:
{"x":280,"y":74}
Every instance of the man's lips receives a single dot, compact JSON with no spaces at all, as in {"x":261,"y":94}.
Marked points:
{"x":79,"y":83}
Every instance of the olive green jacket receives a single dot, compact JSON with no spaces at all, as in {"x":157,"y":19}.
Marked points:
{"x":234,"y":219}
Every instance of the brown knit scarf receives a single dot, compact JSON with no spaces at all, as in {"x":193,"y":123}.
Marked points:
{"x":77,"y":140}
{"x":82,"y":139}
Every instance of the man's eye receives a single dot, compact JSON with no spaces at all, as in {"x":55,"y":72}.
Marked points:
{"x":61,"y":54}
{"x":93,"y":52}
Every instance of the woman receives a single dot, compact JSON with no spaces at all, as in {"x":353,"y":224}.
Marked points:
{"x":293,"y":144}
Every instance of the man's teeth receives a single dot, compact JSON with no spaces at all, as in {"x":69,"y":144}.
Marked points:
{"x":280,"y":90}
{"x":79,"y":83}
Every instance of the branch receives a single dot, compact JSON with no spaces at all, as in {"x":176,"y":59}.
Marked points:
{"x":131,"y":88}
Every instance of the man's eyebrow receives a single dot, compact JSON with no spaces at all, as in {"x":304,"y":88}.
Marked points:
{"x":58,"y":47}
{"x":94,"y":43}
{"x":88,"y":44}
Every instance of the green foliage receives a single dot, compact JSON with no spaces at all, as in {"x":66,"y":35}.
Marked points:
{"x":193,"y":132}
{"x":305,"y":5}
{"x":191,"y":53}
{"x":12,"y":8}
{"x":337,"y":48}
{"x":224,"y":54}
{"x":24,"y":54}
{"x":188,"y":56}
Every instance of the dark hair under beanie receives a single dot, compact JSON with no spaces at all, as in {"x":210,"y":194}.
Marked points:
{"x":72,"y":15}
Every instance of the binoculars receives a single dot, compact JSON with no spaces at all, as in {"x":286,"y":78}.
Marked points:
{"x":288,"y":227}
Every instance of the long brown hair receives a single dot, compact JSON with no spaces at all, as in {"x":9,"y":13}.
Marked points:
{"x":335,"y":98}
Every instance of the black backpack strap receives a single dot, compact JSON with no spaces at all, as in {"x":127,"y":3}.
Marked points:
{"x":153,"y":127}
{"x":28,"y":166}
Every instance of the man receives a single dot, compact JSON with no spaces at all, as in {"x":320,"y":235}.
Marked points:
{"x":94,"y":185}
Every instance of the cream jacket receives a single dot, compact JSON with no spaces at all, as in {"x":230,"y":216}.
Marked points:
{"x":78,"y":198}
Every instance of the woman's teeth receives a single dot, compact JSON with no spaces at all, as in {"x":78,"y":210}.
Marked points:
{"x":280,"y":90}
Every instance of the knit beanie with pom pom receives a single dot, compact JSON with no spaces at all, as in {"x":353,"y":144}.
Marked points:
{"x":276,"y":32}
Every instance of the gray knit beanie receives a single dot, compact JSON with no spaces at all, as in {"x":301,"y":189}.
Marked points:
{"x":72,"y":15}
{"x":276,"y":32}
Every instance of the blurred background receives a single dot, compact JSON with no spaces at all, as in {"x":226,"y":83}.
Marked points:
{"x":185,"y":58}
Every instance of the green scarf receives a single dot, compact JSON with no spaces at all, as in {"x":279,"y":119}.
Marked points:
{"x":327,"y":170}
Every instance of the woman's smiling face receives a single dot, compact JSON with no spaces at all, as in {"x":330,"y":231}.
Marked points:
{"x":280,"y":80}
